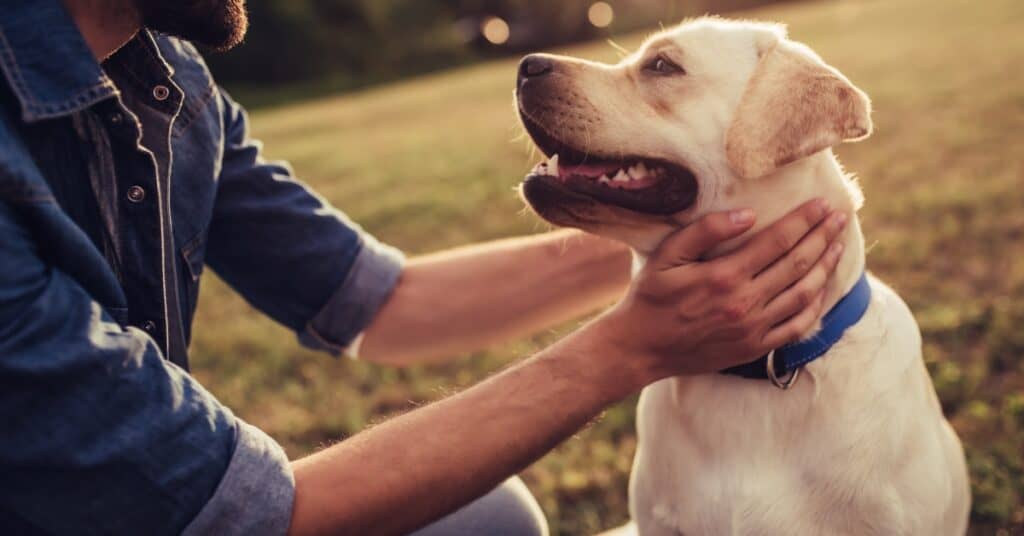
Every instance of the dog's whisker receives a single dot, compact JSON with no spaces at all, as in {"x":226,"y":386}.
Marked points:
{"x":586,"y":133}
{"x":519,"y":133}
{"x":623,"y":52}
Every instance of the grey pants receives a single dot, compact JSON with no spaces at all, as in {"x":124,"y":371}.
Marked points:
{"x":508,"y":510}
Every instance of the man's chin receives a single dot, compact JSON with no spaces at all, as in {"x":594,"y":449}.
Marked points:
{"x":216,"y":24}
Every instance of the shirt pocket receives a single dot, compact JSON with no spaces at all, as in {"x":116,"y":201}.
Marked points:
{"x":193,"y":257}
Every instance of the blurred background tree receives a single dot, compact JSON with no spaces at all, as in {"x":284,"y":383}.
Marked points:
{"x":341,"y":44}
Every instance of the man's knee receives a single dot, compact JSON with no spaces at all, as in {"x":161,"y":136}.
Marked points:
{"x":508,"y":510}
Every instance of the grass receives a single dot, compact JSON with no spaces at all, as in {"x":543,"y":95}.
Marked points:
{"x":431,"y":163}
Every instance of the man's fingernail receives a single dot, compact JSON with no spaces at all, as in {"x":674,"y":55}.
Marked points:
{"x":836,"y":250}
{"x":821,"y":205}
{"x":839,"y":220}
{"x":742,"y":216}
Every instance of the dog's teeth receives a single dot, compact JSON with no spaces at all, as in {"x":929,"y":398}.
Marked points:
{"x":604,"y":179}
{"x":621,"y":176}
{"x":634,"y":172}
{"x":553,"y":165}
{"x":641,"y":169}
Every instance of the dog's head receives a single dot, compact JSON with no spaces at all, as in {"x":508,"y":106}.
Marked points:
{"x":688,"y":124}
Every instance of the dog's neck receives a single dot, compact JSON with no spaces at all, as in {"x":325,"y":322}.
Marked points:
{"x":819,"y":175}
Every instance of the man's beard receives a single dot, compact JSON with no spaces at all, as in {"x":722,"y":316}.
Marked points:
{"x":218,"y":24}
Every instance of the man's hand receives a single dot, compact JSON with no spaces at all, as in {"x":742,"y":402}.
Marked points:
{"x":685,"y":316}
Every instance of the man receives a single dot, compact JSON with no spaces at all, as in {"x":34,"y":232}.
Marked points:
{"x":124,"y":170}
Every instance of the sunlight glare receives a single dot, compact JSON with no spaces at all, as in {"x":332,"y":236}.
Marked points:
{"x":600,"y":14}
{"x":495,"y":30}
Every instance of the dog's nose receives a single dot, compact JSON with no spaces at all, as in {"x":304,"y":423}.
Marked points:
{"x":534,"y":66}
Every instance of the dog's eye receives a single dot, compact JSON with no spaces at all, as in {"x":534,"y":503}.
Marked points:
{"x":664,"y":66}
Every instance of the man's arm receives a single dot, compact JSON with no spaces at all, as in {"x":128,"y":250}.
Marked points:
{"x":287,"y":251}
{"x":101,"y":434}
{"x":437,"y":458}
{"x":411,"y":470}
{"x":303,"y":263}
{"x":456,"y":301}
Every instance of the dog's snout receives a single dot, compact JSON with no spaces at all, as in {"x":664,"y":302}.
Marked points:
{"x":534,"y":66}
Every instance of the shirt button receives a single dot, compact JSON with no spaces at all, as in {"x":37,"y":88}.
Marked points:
{"x":136,"y":194}
{"x":161,"y":92}
{"x":149,"y":326}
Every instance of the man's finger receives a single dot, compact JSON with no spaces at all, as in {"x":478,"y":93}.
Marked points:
{"x":791,"y":330}
{"x":776,"y":240}
{"x":801,"y":259}
{"x":698,"y":238}
{"x":802,"y":294}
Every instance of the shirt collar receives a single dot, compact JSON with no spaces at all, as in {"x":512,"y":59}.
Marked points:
{"x":46,"y":61}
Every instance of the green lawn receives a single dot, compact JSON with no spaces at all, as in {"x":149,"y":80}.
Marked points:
{"x":432,"y":163}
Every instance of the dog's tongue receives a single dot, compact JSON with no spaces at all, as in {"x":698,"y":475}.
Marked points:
{"x":592,"y":171}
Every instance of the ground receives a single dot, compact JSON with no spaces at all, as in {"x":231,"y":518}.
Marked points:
{"x":432,"y":162}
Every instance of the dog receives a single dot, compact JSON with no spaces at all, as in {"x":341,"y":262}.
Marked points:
{"x":715,"y":115}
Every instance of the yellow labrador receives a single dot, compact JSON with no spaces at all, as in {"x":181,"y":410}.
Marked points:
{"x":714,"y":115}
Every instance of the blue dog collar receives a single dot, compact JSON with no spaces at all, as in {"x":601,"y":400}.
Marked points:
{"x":788,"y":360}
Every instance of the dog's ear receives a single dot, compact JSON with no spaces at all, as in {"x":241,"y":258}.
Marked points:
{"x":793,"y":106}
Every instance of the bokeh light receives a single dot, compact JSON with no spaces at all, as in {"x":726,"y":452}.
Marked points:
{"x":600,"y":14}
{"x":495,"y":30}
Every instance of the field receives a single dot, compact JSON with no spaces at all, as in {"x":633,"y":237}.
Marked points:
{"x":432,"y":162}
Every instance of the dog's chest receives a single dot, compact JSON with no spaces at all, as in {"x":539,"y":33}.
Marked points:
{"x":725,"y":455}
{"x":718,"y":470}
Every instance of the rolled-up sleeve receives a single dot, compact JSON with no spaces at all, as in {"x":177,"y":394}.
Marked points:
{"x":104,"y":436}
{"x":256,"y":494}
{"x":289,"y":252}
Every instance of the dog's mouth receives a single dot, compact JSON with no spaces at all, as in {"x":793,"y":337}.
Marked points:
{"x":647,"y":185}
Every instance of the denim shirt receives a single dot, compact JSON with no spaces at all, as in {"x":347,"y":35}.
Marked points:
{"x":118,"y":183}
